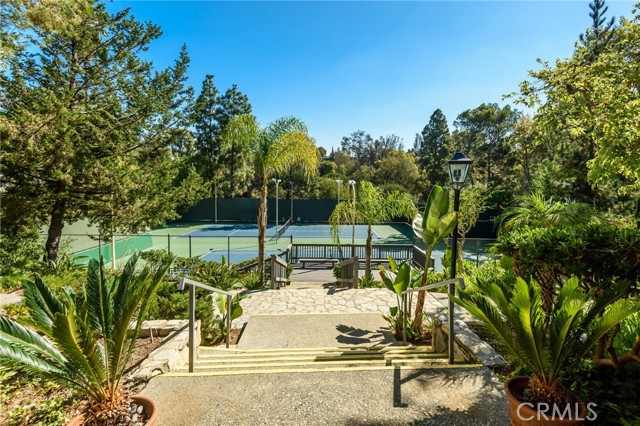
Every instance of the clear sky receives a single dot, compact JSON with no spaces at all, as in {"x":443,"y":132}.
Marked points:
{"x":382,"y":67}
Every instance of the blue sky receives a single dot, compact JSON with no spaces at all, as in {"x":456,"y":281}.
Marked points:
{"x":382,"y":67}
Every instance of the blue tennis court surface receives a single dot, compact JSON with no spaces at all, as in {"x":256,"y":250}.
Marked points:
{"x":233,"y":256}
{"x":296,"y":231}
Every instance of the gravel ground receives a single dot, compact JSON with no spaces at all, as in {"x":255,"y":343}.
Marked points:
{"x":424,"y":397}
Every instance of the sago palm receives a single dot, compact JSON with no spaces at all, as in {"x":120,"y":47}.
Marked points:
{"x":274,"y":149}
{"x":372,"y":206}
{"x":534,"y":210}
{"x":83,"y":341}
{"x":544,"y":341}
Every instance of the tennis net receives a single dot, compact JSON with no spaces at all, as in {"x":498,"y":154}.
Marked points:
{"x":282,"y":230}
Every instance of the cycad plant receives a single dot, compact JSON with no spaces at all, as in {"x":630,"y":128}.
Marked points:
{"x":83,"y":341}
{"x":543,"y":341}
{"x":433,"y":226}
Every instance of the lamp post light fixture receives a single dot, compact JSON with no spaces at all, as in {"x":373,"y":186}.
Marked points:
{"x":277,"y":181}
{"x":458,"y":169}
{"x":353,"y":225}
{"x":339,"y":182}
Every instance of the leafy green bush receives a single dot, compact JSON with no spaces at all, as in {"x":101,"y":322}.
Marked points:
{"x":10,"y":283}
{"x":252,"y":281}
{"x":337,"y":270}
{"x":369,"y":282}
{"x":170,"y":303}
{"x":615,"y":393}
{"x":598,"y":254}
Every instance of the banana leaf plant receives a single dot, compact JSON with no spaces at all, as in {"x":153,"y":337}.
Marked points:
{"x":546,"y":341}
{"x":398,"y":279}
{"x":83,"y":341}
{"x":435,"y":224}
{"x":236,"y":309}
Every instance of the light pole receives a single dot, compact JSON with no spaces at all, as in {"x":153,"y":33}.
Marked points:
{"x":353,"y":225}
{"x":339,"y":182}
{"x":215,"y":202}
{"x":277,"y":181}
{"x":458,"y":168}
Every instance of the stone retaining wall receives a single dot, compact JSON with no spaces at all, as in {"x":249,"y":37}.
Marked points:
{"x":172,"y":354}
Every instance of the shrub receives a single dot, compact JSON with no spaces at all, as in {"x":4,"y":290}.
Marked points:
{"x":598,"y":254}
{"x":252,"y":281}
{"x":170,"y":303}
{"x":337,"y":270}
{"x":369,"y":282}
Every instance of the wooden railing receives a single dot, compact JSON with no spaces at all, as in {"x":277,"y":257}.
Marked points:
{"x":349,"y":272}
{"x":278,"y":272}
{"x":400,"y":252}
{"x":419,"y":257}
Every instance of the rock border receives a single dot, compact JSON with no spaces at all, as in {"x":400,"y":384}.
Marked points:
{"x":468,"y":343}
{"x":173,"y":352}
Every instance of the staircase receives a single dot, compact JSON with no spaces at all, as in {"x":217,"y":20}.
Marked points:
{"x":218,"y":361}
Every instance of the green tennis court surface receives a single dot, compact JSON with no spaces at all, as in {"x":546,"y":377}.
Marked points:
{"x":211,"y":241}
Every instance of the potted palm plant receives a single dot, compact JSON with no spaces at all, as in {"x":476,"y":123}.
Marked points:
{"x":83,"y":341}
{"x":545,"y":341}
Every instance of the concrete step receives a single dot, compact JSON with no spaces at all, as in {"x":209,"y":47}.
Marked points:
{"x":221,"y":361}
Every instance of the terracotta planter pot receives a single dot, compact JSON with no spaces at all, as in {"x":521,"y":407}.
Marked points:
{"x":150,"y":409}
{"x":526,"y":414}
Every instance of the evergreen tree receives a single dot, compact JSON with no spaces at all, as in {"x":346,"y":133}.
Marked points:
{"x":432,"y":148}
{"x":207,"y":145}
{"x":601,"y":31}
{"x":87,"y":127}
{"x":235,"y":160}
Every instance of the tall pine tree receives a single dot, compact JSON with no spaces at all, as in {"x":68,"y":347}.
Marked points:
{"x":207,"y":130}
{"x":432,"y":148}
{"x":86,"y":125}
{"x":235,"y":160}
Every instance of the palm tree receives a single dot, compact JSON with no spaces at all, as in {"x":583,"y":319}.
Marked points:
{"x":84,"y":341}
{"x":534,"y":210}
{"x":372,"y":206}
{"x":274,"y":149}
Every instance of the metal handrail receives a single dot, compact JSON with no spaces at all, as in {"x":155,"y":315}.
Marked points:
{"x":192,"y":312}
{"x":451,"y":283}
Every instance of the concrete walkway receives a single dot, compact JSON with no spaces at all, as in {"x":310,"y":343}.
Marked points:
{"x":316,"y":330}
{"x":424,"y":397}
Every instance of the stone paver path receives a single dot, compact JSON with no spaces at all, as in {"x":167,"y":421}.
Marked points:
{"x":325,"y":301}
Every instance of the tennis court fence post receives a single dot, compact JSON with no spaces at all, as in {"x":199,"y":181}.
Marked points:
{"x":169,"y":243}
{"x":228,"y":248}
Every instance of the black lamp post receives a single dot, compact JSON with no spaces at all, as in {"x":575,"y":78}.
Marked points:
{"x":458,"y":168}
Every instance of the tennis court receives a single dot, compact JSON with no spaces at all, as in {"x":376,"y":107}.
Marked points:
{"x":235,"y":241}
{"x":294,"y":230}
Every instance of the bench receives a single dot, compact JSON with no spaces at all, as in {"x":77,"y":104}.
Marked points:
{"x":331,"y":261}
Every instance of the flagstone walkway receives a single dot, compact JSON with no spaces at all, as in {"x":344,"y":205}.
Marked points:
{"x":325,"y":301}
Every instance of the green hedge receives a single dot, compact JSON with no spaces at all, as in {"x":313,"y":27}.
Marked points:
{"x":598,"y":254}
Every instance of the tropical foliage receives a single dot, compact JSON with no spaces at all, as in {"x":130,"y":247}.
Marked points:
{"x":399,"y":279}
{"x":536,"y":211}
{"x":274,"y":149}
{"x":83,"y":341}
{"x":545,"y":341}
{"x":436,"y":223}
{"x":371,"y":206}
